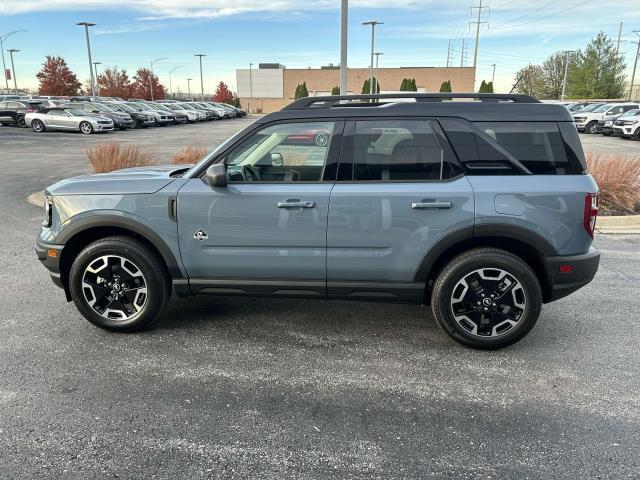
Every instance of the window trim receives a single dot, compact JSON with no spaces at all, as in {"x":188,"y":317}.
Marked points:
{"x":448,"y":154}
{"x":332,"y":156}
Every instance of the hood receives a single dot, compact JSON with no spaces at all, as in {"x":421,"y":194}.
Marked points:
{"x":119,"y":182}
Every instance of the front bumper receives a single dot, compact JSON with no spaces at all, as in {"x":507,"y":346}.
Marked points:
{"x":606,"y":129}
{"x":49,"y":255}
{"x":584,"y":268}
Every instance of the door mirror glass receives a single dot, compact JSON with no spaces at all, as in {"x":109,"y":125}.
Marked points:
{"x":276,"y":159}
{"x":216,"y":175}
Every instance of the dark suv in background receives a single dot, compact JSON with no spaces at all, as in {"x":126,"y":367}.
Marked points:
{"x":12,"y":112}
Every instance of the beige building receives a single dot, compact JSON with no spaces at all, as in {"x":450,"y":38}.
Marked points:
{"x":273,"y":86}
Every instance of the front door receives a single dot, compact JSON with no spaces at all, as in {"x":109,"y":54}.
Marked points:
{"x":398,"y":192}
{"x":265,"y":232}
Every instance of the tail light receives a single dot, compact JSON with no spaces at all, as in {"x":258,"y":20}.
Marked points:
{"x":31,"y":109}
{"x":590,"y":212}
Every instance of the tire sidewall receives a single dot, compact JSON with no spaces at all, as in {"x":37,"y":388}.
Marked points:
{"x":90,"y":128}
{"x":37,"y":122}
{"x":521,"y":271}
{"x":147,"y":263}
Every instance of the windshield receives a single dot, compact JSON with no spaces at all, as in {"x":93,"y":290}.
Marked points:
{"x":75,"y":112}
{"x":137,"y":106}
{"x":124,"y":107}
{"x":186,"y":106}
{"x":103,"y":108}
{"x":601,"y":108}
{"x":590,"y":108}
{"x":161,"y":106}
{"x":631,"y":113}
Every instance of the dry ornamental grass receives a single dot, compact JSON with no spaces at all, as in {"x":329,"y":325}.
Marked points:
{"x":107,"y":157}
{"x":618,"y":177}
{"x":189,"y":155}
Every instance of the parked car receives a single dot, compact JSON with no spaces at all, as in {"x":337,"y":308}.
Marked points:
{"x":192,"y":115}
{"x":586,"y":120}
{"x":12,"y":112}
{"x":605,"y":124}
{"x":69,"y":119}
{"x":161,"y":118}
{"x":202,"y":114}
{"x":628,"y":125}
{"x":121,"y":120}
{"x":406,"y":202}
{"x":179,"y":117}
{"x":139,"y":119}
{"x":210,"y":112}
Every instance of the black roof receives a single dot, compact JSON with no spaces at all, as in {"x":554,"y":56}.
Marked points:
{"x":485,"y":107}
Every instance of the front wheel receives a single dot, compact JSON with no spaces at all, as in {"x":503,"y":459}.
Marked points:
{"x":86,"y":128}
{"x":592,"y":128}
{"x":119,"y":284}
{"x":37,"y":126}
{"x":636,"y":135}
{"x":22,"y":123}
{"x":486,"y":298}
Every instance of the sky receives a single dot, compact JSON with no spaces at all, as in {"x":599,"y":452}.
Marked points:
{"x":300,"y":34}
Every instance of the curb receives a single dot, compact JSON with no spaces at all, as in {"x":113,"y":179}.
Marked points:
{"x":628,"y":224}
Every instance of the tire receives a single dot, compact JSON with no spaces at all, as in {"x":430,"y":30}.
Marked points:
{"x":86,"y":128}
{"x":21,"y":122}
{"x":636,"y":135}
{"x":37,"y":126}
{"x":135,"y":123}
{"x":492,"y":268}
{"x":591,"y":128}
{"x":131,"y":294}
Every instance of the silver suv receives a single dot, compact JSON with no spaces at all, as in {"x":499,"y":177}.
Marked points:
{"x":482,"y":209}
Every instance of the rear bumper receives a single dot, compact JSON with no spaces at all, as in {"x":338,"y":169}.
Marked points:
{"x":584,"y":268}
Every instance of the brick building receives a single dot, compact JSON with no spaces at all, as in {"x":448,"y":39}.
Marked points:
{"x":273,"y":86}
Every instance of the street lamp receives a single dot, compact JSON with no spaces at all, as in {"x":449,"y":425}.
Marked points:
{"x":373,"y":24}
{"x":377,"y":77}
{"x":189,"y":86}
{"x":86,"y":26}
{"x":151,"y":76}
{"x":170,"y":86}
{"x":250,"y":86}
{"x":15,"y":84}
{"x":3,"y":37}
{"x":95,"y":67}
{"x":200,"y":55}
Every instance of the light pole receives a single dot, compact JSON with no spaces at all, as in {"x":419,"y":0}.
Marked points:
{"x":200,"y":55}
{"x":344,"y":29}
{"x":86,"y":26}
{"x":566,"y":70}
{"x":151,"y":76}
{"x":493,"y":75}
{"x":189,"y":86}
{"x":95,"y":67}
{"x":171,"y":86}
{"x":3,"y":37}
{"x":635,"y":66}
{"x":376,"y":76}
{"x":250,"y":86}
{"x":15,"y":83}
{"x":373,"y":24}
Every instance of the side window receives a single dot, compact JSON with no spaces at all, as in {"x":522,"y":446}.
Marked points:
{"x":287,"y":152}
{"x":393,"y":150}
{"x":616,"y":110}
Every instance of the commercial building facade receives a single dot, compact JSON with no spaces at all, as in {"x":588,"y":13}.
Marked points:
{"x":272,"y":86}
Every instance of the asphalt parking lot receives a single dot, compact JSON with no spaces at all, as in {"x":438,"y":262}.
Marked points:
{"x":272,"y":389}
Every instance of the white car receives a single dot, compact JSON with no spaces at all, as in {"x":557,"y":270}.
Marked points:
{"x":586,"y":120}
{"x":628,"y":126}
{"x":70,"y":119}
{"x":192,"y":115}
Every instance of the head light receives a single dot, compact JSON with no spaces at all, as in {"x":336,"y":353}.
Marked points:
{"x":48,"y":211}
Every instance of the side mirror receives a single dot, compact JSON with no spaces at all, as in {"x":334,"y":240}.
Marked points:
{"x":216,"y":175}
{"x":276,"y":160}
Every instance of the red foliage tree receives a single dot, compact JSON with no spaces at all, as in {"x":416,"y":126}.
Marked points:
{"x":56,"y":78}
{"x":143,"y":81}
{"x":114,"y":83}
{"x":223,"y":94}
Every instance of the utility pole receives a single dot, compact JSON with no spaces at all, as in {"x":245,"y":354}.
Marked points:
{"x":344,"y":28}
{"x":618,"y":42}
{"x":15,"y":82}
{"x":635,"y":65}
{"x":189,"y":86}
{"x":3,"y":37}
{"x":480,"y":7}
{"x":170,"y":85}
{"x":250,"y":86}
{"x":200,"y":55}
{"x":493,"y":75}
{"x":449,"y":54}
{"x":373,"y":24}
{"x":151,"y":76}
{"x":95,"y":67}
{"x":86,"y":26}
{"x":462,"y":54}
{"x":566,"y":70}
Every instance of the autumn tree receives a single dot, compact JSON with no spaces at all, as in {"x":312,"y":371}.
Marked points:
{"x":56,"y":78}
{"x":114,"y":83}
{"x":143,"y":82}
{"x":223,"y":94}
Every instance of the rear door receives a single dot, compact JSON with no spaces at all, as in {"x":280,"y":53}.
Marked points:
{"x":5,"y":113}
{"x":399,"y":191}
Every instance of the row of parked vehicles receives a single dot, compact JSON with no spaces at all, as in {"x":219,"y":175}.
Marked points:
{"x":105,"y":114}
{"x":621,"y":119}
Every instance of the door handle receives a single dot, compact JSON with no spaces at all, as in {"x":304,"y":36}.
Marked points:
{"x":430,"y":205}
{"x":296,"y":204}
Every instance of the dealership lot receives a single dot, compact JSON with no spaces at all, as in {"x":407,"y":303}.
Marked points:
{"x":272,"y":388}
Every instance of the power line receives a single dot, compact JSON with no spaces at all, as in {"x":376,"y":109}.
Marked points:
{"x":545,"y":17}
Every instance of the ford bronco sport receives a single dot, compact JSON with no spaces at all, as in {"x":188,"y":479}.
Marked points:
{"x":482,"y":209}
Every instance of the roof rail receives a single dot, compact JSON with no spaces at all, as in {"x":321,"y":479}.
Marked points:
{"x":335,"y":100}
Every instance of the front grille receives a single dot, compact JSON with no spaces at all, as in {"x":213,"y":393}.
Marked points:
{"x":104,"y":122}
{"x":579,"y":119}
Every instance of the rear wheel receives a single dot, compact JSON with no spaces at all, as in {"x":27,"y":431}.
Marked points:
{"x":486,"y":298}
{"x":86,"y":128}
{"x":636,"y":135}
{"x":119,"y":284}
{"x":22,"y":123}
{"x":37,"y":126}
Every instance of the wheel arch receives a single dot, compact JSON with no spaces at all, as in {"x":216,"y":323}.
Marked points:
{"x":525,"y":244}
